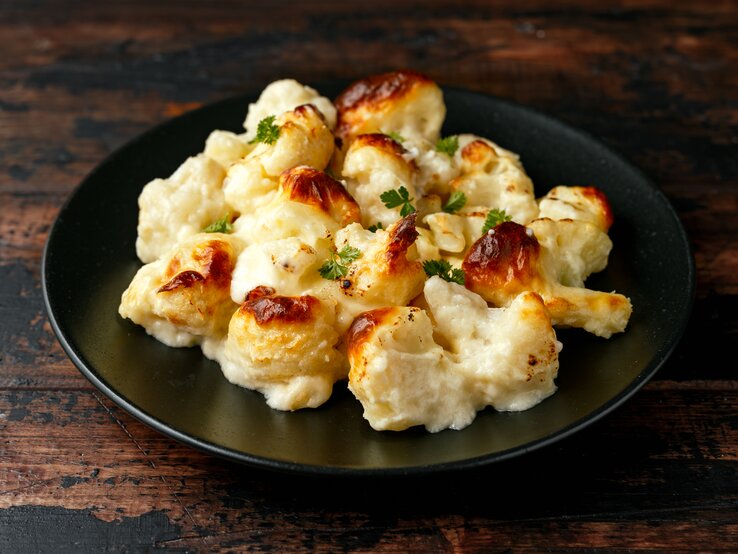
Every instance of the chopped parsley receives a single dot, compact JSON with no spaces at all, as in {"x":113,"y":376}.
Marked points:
{"x":374,"y":228}
{"x":337,"y":266}
{"x":494,"y":218}
{"x":393,"y":198}
{"x":448,"y":145}
{"x":455,"y":202}
{"x":397,"y":137}
{"x":222,"y":225}
{"x":266,"y":131}
{"x":443,"y":269}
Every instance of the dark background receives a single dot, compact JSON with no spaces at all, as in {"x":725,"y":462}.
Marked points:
{"x":655,"y":80}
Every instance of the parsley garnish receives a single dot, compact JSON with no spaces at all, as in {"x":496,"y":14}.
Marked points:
{"x":443,"y":269}
{"x":397,"y":137}
{"x":494,"y":218}
{"x":337,"y":266}
{"x":222,"y":225}
{"x":374,"y":228}
{"x":448,"y":145}
{"x":266,"y":131}
{"x":401,"y":197}
{"x":455,"y":202}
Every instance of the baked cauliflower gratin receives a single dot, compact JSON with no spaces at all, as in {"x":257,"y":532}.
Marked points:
{"x":350,"y":240}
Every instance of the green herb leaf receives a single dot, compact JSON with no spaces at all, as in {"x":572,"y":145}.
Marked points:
{"x":222,"y":225}
{"x":494,"y":218}
{"x":455,"y":202}
{"x":448,"y":145}
{"x":397,"y":137}
{"x":444,"y":270}
{"x":393,"y":198}
{"x":374,"y":228}
{"x":266,"y":131}
{"x":349,"y":254}
{"x":337,"y":266}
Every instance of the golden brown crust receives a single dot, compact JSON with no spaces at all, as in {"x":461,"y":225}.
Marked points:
{"x":380,"y":141}
{"x":599,"y":197}
{"x":373,"y":92}
{"x":280,"y":309}
{"x":259,"y":292}
{"x":305,"y":110}
{"x":477,"y":152}
{"x":363,"y":326}
{"x":184,"y":279}
{"x":505,"y":259}
{"x":310,"y":186}
{"x":215,"y":266}
{"x":402,"y":237}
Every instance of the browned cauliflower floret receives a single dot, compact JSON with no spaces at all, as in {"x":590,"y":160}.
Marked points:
{"x":411,"y":369}
{"x":304,"y":139}
{"x":284,"y":347}
{"x":292,"y":234}
{"x":509,"y":259}
{"x":185,"y":296}
{"x":404,"y":102}
{"x":386,"y":274}
{"x":309,"y":204}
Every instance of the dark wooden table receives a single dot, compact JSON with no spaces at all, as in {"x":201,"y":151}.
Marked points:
{"x":656,"y":80}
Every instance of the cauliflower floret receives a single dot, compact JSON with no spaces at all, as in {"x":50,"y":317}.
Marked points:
{"x":579,"y":203}
{"x":375,"y":164}
{"x":226,"y":147}
{"x":284,"y":347}
{"x":185,"y":296}
{"x":172,"y":209}
{"x":577,"y":248}
{"x":492,"y":177}
{"x":310,"y":205}
{"x":284,"y":95}
{"x":506,"y":358}
{"x":509,"y":259}
{"x":304,"y":139}
{"x":406,"y":102}
{"x":401,"y":376}
{"x":386,"y":274}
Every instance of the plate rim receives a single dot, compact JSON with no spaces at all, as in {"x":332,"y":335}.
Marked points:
{"x":262,"y":462}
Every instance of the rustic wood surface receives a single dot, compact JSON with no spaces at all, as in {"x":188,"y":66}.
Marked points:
{"x":654,"y":79}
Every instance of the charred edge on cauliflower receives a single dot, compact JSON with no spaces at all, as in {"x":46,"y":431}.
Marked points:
{"x":363,"y":326}
{"x":386,"y":145}
{"x":282,"y":309}
{"x":215,"y":264}
{"x":506,"y":257}
{"x":259,"y":292}
{"x":307,"y":185}
{"x":402,"y":236}
{"x":304,"y":109}
{"x":599,"y":197}
{"x":373,"y":91}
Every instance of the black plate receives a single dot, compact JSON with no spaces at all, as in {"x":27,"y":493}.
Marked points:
{"x":90,"y":259}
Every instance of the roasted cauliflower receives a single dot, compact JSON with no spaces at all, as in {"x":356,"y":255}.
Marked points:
{"x":353,"y":241}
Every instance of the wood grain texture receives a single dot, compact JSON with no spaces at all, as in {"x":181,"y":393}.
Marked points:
{"x":655,"y":80}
